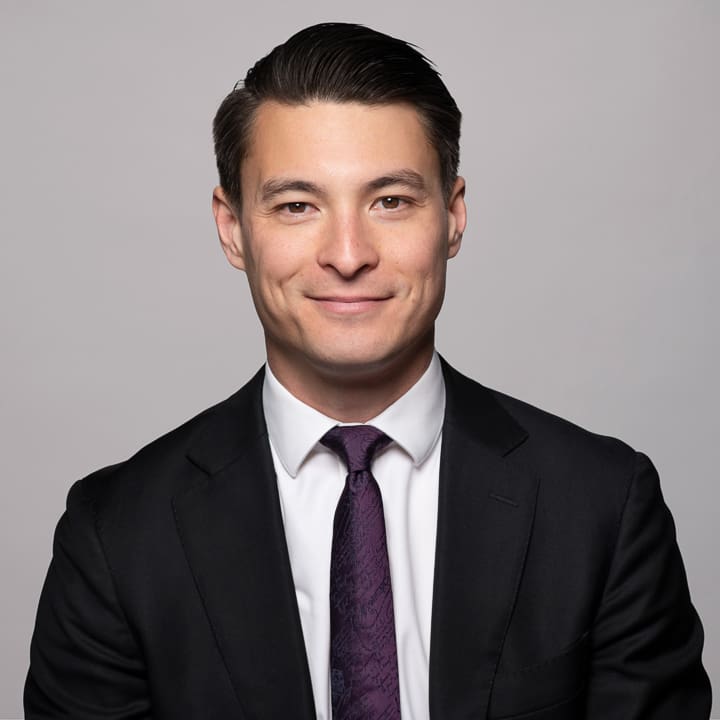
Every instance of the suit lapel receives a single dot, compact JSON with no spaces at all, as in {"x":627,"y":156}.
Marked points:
{"x":231,"y":528}
{"x":485,"y":514}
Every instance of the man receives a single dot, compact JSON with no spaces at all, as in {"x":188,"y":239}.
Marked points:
{"x":487,"y":561}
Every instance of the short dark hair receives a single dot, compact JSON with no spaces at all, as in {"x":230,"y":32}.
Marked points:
{"x":338,"y":62}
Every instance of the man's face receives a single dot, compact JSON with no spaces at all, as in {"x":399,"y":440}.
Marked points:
{"x":344,"y":235}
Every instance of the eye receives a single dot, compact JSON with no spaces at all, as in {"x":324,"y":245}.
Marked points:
{"x":390,"y":202}
{"x":294,"y":211}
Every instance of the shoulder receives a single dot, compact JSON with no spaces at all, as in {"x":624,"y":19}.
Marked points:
{"x":568,"y":459}
{"x":556,"y":439}
{"x":173,"y":462}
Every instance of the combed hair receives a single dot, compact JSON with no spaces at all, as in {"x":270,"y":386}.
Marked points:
{"x":337,"y":62}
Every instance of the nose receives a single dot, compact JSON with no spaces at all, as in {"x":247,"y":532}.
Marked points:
{"x":348,"y":247}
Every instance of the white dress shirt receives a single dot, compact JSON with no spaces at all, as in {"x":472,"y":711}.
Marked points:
{"x":310,"y":479}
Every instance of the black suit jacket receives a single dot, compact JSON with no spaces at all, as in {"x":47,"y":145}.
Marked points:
{"x":559,"y":590}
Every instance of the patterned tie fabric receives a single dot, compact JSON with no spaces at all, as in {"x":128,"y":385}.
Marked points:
{"x":363,"y":652}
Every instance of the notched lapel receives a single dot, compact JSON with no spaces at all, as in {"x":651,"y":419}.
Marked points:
{"x":232,"y":532}
{"x":485,"y":516}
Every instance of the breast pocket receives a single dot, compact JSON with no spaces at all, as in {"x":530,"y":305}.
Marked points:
{"x":550,"y":690}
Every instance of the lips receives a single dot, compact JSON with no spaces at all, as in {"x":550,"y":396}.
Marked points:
{"x":349,"y":304}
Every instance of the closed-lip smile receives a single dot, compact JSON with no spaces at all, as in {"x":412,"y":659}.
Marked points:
{"x":349,"y":304}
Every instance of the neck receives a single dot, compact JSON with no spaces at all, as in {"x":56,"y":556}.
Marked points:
{"x":352,"y":395}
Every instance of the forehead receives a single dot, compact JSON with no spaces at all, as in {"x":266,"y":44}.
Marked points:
{"x":337,"y":140}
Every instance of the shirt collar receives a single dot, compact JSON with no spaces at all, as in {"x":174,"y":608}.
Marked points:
{"x":413,"y":421}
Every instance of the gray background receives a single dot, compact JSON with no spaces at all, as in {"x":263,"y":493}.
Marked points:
{"x":587,"y":282}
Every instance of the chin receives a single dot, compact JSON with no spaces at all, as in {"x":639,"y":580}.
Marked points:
{"x":358,"y":365}
{"x":351,"y":364}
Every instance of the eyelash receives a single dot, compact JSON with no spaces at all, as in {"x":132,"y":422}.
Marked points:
{"x":289,"y":206}
{"x":401,"y":201}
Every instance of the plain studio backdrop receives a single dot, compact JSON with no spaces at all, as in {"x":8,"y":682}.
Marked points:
{"x":587,"y":282}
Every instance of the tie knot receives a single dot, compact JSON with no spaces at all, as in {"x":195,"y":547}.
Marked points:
{"x":355,"y":444}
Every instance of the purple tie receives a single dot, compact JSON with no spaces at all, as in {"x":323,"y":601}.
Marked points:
{"x":363,"y":653}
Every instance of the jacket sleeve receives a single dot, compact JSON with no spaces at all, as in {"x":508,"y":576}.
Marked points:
{"x":647,"y":638}
{"x":84,"y":660}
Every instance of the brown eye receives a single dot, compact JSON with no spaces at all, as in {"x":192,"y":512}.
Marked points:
{"x":296,"y":208}
{"x":390,"y":203}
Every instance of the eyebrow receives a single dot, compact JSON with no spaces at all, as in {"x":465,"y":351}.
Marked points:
{"x":406,"y":178}
{"x":277,"y":186}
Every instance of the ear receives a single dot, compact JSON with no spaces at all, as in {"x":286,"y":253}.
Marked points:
{"x":457,"y":217}
{"x":228,"y":228}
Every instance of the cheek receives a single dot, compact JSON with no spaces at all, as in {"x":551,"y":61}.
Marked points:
{"x":423,"y":270}
{"x":273,"y":265}
{"x":274,"y":251}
